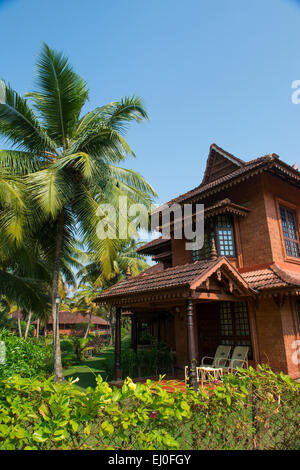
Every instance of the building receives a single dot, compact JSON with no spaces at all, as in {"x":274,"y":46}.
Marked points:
{"x":243,"y":286}
{"x":69,"y":323}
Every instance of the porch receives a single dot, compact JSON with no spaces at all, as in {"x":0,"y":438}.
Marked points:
{"x":171,"y":383}
{"x":191,"y":309}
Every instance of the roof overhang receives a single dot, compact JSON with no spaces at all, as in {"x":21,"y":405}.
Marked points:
{"x":212,"y":281}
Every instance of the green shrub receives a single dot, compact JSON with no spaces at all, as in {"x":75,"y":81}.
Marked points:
{"x":28,"y":358}
{"x":254,"y":409}
{"x":44,"y":415}
{"x":250,"y":410}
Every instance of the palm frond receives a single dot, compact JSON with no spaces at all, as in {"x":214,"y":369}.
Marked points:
{"x":60,"y":95}
{"x":20,"y":163}
{"x":20,"y":126}
{"x":50,"y":189}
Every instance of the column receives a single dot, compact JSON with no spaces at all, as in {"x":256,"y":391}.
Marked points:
{"x":191,"y":345}
{"x":134,"y":332}
{"x":118,"y":372}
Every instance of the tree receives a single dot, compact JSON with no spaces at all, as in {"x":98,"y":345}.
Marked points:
{"x":70,"y":163}
{"x":126,"y":258}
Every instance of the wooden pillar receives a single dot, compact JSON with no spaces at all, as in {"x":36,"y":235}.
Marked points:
{"x":134,"y":332}
{"x":191,"y":345}
{"x":139,"y":331}
{"x":118,"y":372}
{"x":253,"y":331}
{"x":158,"y":329}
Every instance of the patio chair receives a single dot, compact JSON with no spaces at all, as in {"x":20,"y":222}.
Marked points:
{"x":215,"y":369}
{"x":218,"y":361}
{"x":239,"y":359}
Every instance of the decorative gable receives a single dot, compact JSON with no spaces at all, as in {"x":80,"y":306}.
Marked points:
{"x":220,"y":163}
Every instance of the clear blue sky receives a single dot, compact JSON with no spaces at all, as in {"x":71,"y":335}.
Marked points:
{"x":208,"y":71}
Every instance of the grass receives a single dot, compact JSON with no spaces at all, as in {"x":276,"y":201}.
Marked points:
{"x":100,"y":364}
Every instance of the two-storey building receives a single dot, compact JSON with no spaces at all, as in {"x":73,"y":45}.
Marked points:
{"x":243,"y":286}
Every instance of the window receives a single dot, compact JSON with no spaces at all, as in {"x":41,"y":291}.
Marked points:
{"x":234,"y":325}
{"x":225,"y":238}
{"x":221,"y":228}
{"x":289,"y":228}
{"x":204,"y":252}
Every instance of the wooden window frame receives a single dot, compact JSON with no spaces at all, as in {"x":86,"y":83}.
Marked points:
{"x":224,"y":227}
{"x":214,"y":231}
{"x":234,"y":337}
{"x":296,"y":211}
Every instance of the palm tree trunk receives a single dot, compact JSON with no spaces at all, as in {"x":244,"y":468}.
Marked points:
{"x":38,"y":328}
{"x":19,"y":323}
{"x":28,"y":324}
{"x":58,"y":373}
{"x":111,"y":326}
{"x":89,"y":324}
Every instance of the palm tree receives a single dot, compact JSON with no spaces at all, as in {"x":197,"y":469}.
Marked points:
{"x":70,"y":162}
{"x":83,"y":301}
{"x":126,"y":258}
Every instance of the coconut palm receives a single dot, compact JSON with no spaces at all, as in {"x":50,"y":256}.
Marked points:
{"x":126,"y":261}
{"x":127,"y":258}
{"x":69,"y":162}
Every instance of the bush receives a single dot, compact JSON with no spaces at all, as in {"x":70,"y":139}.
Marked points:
{"x":43,"y":415}
{"x":28,"y":358}
{"x":252,"y":410}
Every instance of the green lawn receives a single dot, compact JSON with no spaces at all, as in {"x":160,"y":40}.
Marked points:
{"x":102,"y":364}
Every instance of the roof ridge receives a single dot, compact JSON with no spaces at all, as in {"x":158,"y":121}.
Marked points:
{"x":221,"y":150}
{"x":218,"y":181}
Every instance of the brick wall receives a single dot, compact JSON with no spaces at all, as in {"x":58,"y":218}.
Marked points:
{"x":279,"y":192}
{"x":270,"y":335}
{"x":290,"y":334}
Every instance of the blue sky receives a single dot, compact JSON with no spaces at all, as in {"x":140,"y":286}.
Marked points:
{"x":208,"y":71}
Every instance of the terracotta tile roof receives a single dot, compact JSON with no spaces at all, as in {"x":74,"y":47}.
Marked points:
{"x":225,"y":205}
{"x":153,"y":269}
{"x":153,"y":244}
{"x":272,"y":278}
{"x":66,"y":317}
{"x":251,"y":167}
{"x":171,"y":277}
{"x":163,"y":255}
{"x":177,"y":276}
{"x":202,"y":188}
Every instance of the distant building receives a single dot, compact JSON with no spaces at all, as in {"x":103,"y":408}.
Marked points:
{"x":69,"y":323}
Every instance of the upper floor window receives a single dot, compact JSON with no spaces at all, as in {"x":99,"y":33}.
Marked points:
{"x":289,"y":228}
{"x":221,"y":228}
{"x":225,"y":237}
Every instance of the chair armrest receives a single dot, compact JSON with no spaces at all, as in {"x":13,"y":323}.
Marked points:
{"x":206,"y":357}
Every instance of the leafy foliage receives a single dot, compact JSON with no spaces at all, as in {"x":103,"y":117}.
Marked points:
{"x":28,"y":358}
{"x":44,"y":415}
